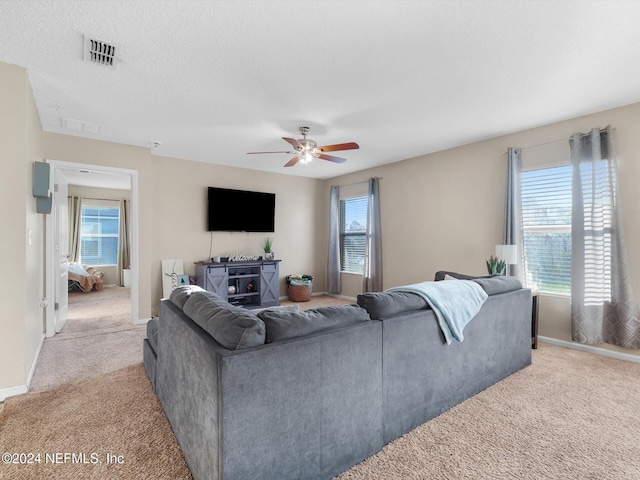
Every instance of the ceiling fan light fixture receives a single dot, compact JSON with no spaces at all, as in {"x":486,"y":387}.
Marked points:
{"x":306,"y":157}
{"x":306,"y":149}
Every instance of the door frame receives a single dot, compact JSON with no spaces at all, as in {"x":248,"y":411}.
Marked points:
{"x":60,"y":208}
{"x":50,"y":267}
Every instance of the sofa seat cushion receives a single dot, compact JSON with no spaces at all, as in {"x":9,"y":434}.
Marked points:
{"x":284,"y":324}
{"x":232,"y":327}
{"x":180,"y":295}
{"x":152,"y":333}
{"x":388,"y":304}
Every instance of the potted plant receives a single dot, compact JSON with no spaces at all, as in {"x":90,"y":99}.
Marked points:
{"x":495,"y":266}
{"x":267,"y":243}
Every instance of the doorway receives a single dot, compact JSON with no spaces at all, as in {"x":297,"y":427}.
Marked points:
{"x":68,"y":177}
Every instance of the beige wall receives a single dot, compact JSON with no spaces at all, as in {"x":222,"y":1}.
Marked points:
{"x":173,"y":207}
{"x":35,"y":256}
{"x":445,"y":211}
{"x":92,"y":193}
{"x":99,"y":193}
{"x":181,"y":231}
{"x":21,"y":288}
{"x":439,"y":211}
{"x":95,"y":152}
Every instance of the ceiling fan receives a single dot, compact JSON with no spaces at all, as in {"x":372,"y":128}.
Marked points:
{"x":307,"y":149}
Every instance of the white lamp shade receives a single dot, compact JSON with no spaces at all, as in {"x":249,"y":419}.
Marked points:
{"x":508,"y":253}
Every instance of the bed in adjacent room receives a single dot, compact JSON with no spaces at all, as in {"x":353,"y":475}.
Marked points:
{"x":84,"y":278}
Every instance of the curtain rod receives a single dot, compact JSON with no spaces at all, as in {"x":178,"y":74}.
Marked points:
{"x":101,"y":199}
{"x":356,"y":183}
{"x":555,"y":141}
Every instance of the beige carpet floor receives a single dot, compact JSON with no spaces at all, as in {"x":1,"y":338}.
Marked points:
{"x":97,"y":338}
{"x":571,"y":415}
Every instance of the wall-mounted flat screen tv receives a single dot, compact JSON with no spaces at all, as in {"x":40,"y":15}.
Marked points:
{"x":240,"y":211}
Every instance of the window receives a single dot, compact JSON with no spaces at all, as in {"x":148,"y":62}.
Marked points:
{"x":546,"y":228}
{"x":99,"y":235}
{"x":353,"y":233}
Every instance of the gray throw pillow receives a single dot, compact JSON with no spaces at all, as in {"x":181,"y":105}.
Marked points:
{"x":232,"y":327}
{"x":181,"y":294}
{"x":284,"y":324}
{"x":386,"y":304}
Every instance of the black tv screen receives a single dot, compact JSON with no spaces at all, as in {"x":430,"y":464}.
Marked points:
{"x":240,"y":210}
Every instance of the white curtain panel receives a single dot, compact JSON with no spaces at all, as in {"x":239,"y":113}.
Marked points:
{"x":603,"y":306}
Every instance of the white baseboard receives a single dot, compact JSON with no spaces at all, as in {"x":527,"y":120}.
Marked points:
{"x":20,"y":389}
{"x":35,"y":361}
{"x":591,"y":349}
{"x":141,"y":321}
{"x":11,"y":391}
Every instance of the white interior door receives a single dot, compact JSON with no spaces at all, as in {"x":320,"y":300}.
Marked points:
{"x":61,"y":250}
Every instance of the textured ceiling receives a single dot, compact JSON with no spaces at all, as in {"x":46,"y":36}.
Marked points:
{"x":213,"y":80}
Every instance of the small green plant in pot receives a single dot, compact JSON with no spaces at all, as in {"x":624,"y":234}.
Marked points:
{"x":495,"y":266}
{"x":267,"y":243}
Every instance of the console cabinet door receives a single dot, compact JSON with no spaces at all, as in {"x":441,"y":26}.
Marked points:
{"x":217,"y":281}
{"x":269,"y":285}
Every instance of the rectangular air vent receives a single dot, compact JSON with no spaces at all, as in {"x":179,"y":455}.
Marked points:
{"x":101,"y":52}
{"x":80,"y":126}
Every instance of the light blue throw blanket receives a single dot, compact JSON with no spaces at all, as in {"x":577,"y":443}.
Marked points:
{"x":454,"y":302}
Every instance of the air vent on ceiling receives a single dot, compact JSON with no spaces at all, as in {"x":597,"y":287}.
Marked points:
{"x":80,"y":126}
{"x":101,"y":52}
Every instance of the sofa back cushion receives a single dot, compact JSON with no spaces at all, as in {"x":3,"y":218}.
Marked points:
{"x":387,"y":304}
{"x":498,"y":284}
{"x":232,"y":327}
{"x":180,"y":295}
{"x":284,"y":324}
{"x":446,"y":275}
{"x":491,"y":284}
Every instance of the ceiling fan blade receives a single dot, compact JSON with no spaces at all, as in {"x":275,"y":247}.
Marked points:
{"x":293,"y":161}
{"x":280,"y":151}
{"x":340,"y":146}
{"x":331,"y":158}
{"x":296,"y":144}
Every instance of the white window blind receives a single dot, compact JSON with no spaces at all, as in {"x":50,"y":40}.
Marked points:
{"x":353,"y":231}
{"x":99,"y":235}
{"x":546,"y":227}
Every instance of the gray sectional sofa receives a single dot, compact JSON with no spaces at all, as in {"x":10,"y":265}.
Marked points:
{"x":306,"y":395}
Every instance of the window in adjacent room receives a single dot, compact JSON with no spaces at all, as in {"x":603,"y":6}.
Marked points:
{"x":99,"y":235}
{"x":353,"y":233}
{"x":546,"y":228}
